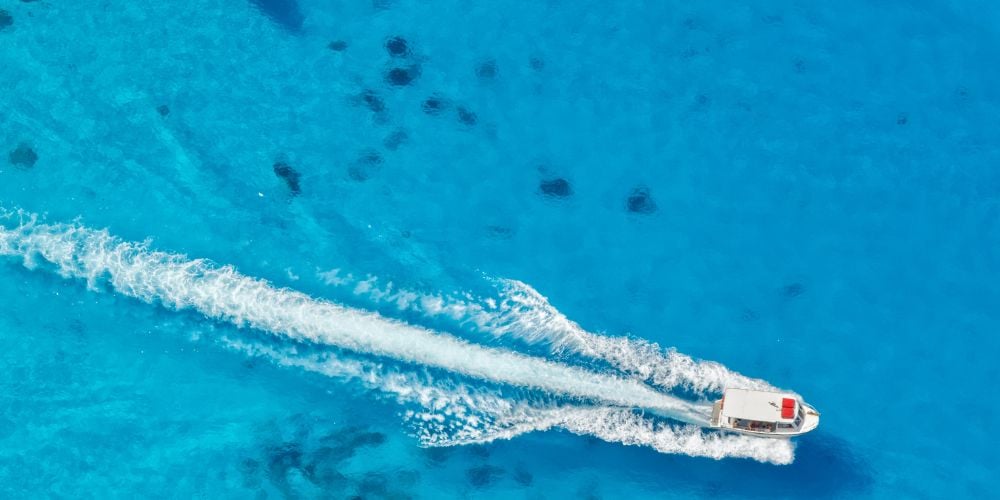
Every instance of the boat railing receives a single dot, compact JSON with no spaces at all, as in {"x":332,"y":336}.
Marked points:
{"x":753,"y":425}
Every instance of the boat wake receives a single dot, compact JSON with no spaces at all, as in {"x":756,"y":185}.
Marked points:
{"x":452,"y":391}
{"x":518,"y":311}
{"x":446,"y":413}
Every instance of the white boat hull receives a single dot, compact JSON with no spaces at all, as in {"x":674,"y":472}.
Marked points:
{"x":809,"y":421}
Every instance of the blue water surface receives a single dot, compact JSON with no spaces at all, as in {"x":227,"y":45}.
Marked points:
{"x":807,"y":193}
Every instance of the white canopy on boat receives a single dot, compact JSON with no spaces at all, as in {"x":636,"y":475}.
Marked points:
{"x":759,"y":405}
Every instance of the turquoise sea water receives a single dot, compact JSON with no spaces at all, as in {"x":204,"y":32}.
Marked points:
{"x":527,"y":194}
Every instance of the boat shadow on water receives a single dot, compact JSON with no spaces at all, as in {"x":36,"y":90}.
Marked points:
{"x":824,"y":466}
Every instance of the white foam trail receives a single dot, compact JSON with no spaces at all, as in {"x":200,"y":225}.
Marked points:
{"x":448,"y":407}
{"x":450,"y":413}
{"x":523,"y":313}
{"x":616,"y":425}
{"x":527,"y":314}
{"x":222,"y":293}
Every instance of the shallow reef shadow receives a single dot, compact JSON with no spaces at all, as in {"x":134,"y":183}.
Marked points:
{"x":317,"y":458}
{"x":285,"y":13}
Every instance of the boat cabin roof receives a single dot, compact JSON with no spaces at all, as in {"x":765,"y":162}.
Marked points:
{"x":760,"y":405}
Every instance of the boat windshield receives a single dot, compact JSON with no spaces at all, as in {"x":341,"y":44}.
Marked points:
{"x":796,"y":424}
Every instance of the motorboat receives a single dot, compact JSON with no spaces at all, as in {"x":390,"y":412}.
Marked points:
{"x":763,"y":413}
